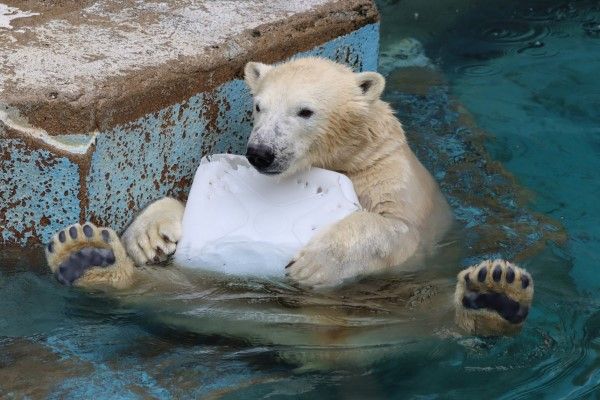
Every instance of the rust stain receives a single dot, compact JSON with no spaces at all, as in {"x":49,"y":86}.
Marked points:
{"x":83,"y":161}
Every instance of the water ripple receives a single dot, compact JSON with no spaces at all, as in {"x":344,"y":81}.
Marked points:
{"x":557,"y":12}
{"x":538,"y":51}
{"x":511,"y":32}
{"x":477,"y":70}
{"x":591,"y":29}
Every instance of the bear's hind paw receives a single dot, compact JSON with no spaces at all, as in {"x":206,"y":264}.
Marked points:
{"x":87,"y":255}
{"x":493,"y":298}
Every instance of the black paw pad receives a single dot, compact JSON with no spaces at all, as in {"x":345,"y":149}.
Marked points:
{"x":80,"y":261}
{"x":50,"y":247}
{"x":497,"y":274}
{"x":62,"y":237}
{"x":510,"y":275}
{"x":507,"y":308}
{"x":73,"y":232}
{"x":482,"y":274}
{"x":88,"y":231}
{"x":105,"y":236}
{"x":524,"y":281}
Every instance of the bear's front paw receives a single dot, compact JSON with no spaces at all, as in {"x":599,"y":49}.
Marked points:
{"x":493,"y":298}
{"x":154,"y":234}
{"x":316,"y":266}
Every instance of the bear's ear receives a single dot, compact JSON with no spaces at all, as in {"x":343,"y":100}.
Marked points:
{"x":371,"y":84}
{"x":254,"y":72}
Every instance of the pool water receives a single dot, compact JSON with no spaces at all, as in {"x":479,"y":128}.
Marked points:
{"x":504,"y":110}
{"x":526,"y":72}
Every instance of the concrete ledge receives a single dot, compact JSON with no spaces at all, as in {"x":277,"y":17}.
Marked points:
{"x":106,"y":106}
{"x":89,"y":67}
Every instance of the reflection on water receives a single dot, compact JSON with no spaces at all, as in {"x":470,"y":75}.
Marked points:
{"x":523,"y":73}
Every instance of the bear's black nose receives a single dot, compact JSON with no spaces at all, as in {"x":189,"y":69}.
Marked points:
{"x":260,"y":156}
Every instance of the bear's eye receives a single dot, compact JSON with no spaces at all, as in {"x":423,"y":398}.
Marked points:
{"x":257,"y":107}
{"x":305,"y":113}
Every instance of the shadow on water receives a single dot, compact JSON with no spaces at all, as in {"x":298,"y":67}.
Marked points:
{"x":510,"y":68}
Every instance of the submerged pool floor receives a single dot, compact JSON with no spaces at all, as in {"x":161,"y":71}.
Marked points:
{"x":526,"y":77}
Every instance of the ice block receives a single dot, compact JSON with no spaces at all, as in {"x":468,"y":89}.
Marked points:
{"x":238,"y":221}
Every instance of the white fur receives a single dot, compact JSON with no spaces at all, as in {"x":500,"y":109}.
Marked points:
{"x":354,"y":132}
{"x":158,"y":227}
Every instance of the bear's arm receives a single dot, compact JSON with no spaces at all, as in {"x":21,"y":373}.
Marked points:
{"x":362,"y":243}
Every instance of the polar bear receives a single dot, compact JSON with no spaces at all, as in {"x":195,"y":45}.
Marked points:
{"x":314,"y":112}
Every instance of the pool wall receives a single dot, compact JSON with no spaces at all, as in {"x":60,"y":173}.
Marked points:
{"x":51,"y":179}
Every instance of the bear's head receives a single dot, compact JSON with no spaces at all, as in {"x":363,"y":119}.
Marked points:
{"x":309,"y":111}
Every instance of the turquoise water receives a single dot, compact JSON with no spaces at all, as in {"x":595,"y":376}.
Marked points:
{"x":527,"y":72}
{"x":519,"y":168}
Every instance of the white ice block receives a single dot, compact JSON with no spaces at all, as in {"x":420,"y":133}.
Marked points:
{"x":238,"y":221}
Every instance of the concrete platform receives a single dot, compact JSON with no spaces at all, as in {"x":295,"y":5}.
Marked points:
{"x":108,"y":105}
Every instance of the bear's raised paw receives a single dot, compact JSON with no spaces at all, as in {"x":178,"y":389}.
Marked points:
{"x":493,"y":298}
{"x":85,"y":255}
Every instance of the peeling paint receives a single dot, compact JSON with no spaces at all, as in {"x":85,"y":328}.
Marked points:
{"x":73,"y":144}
